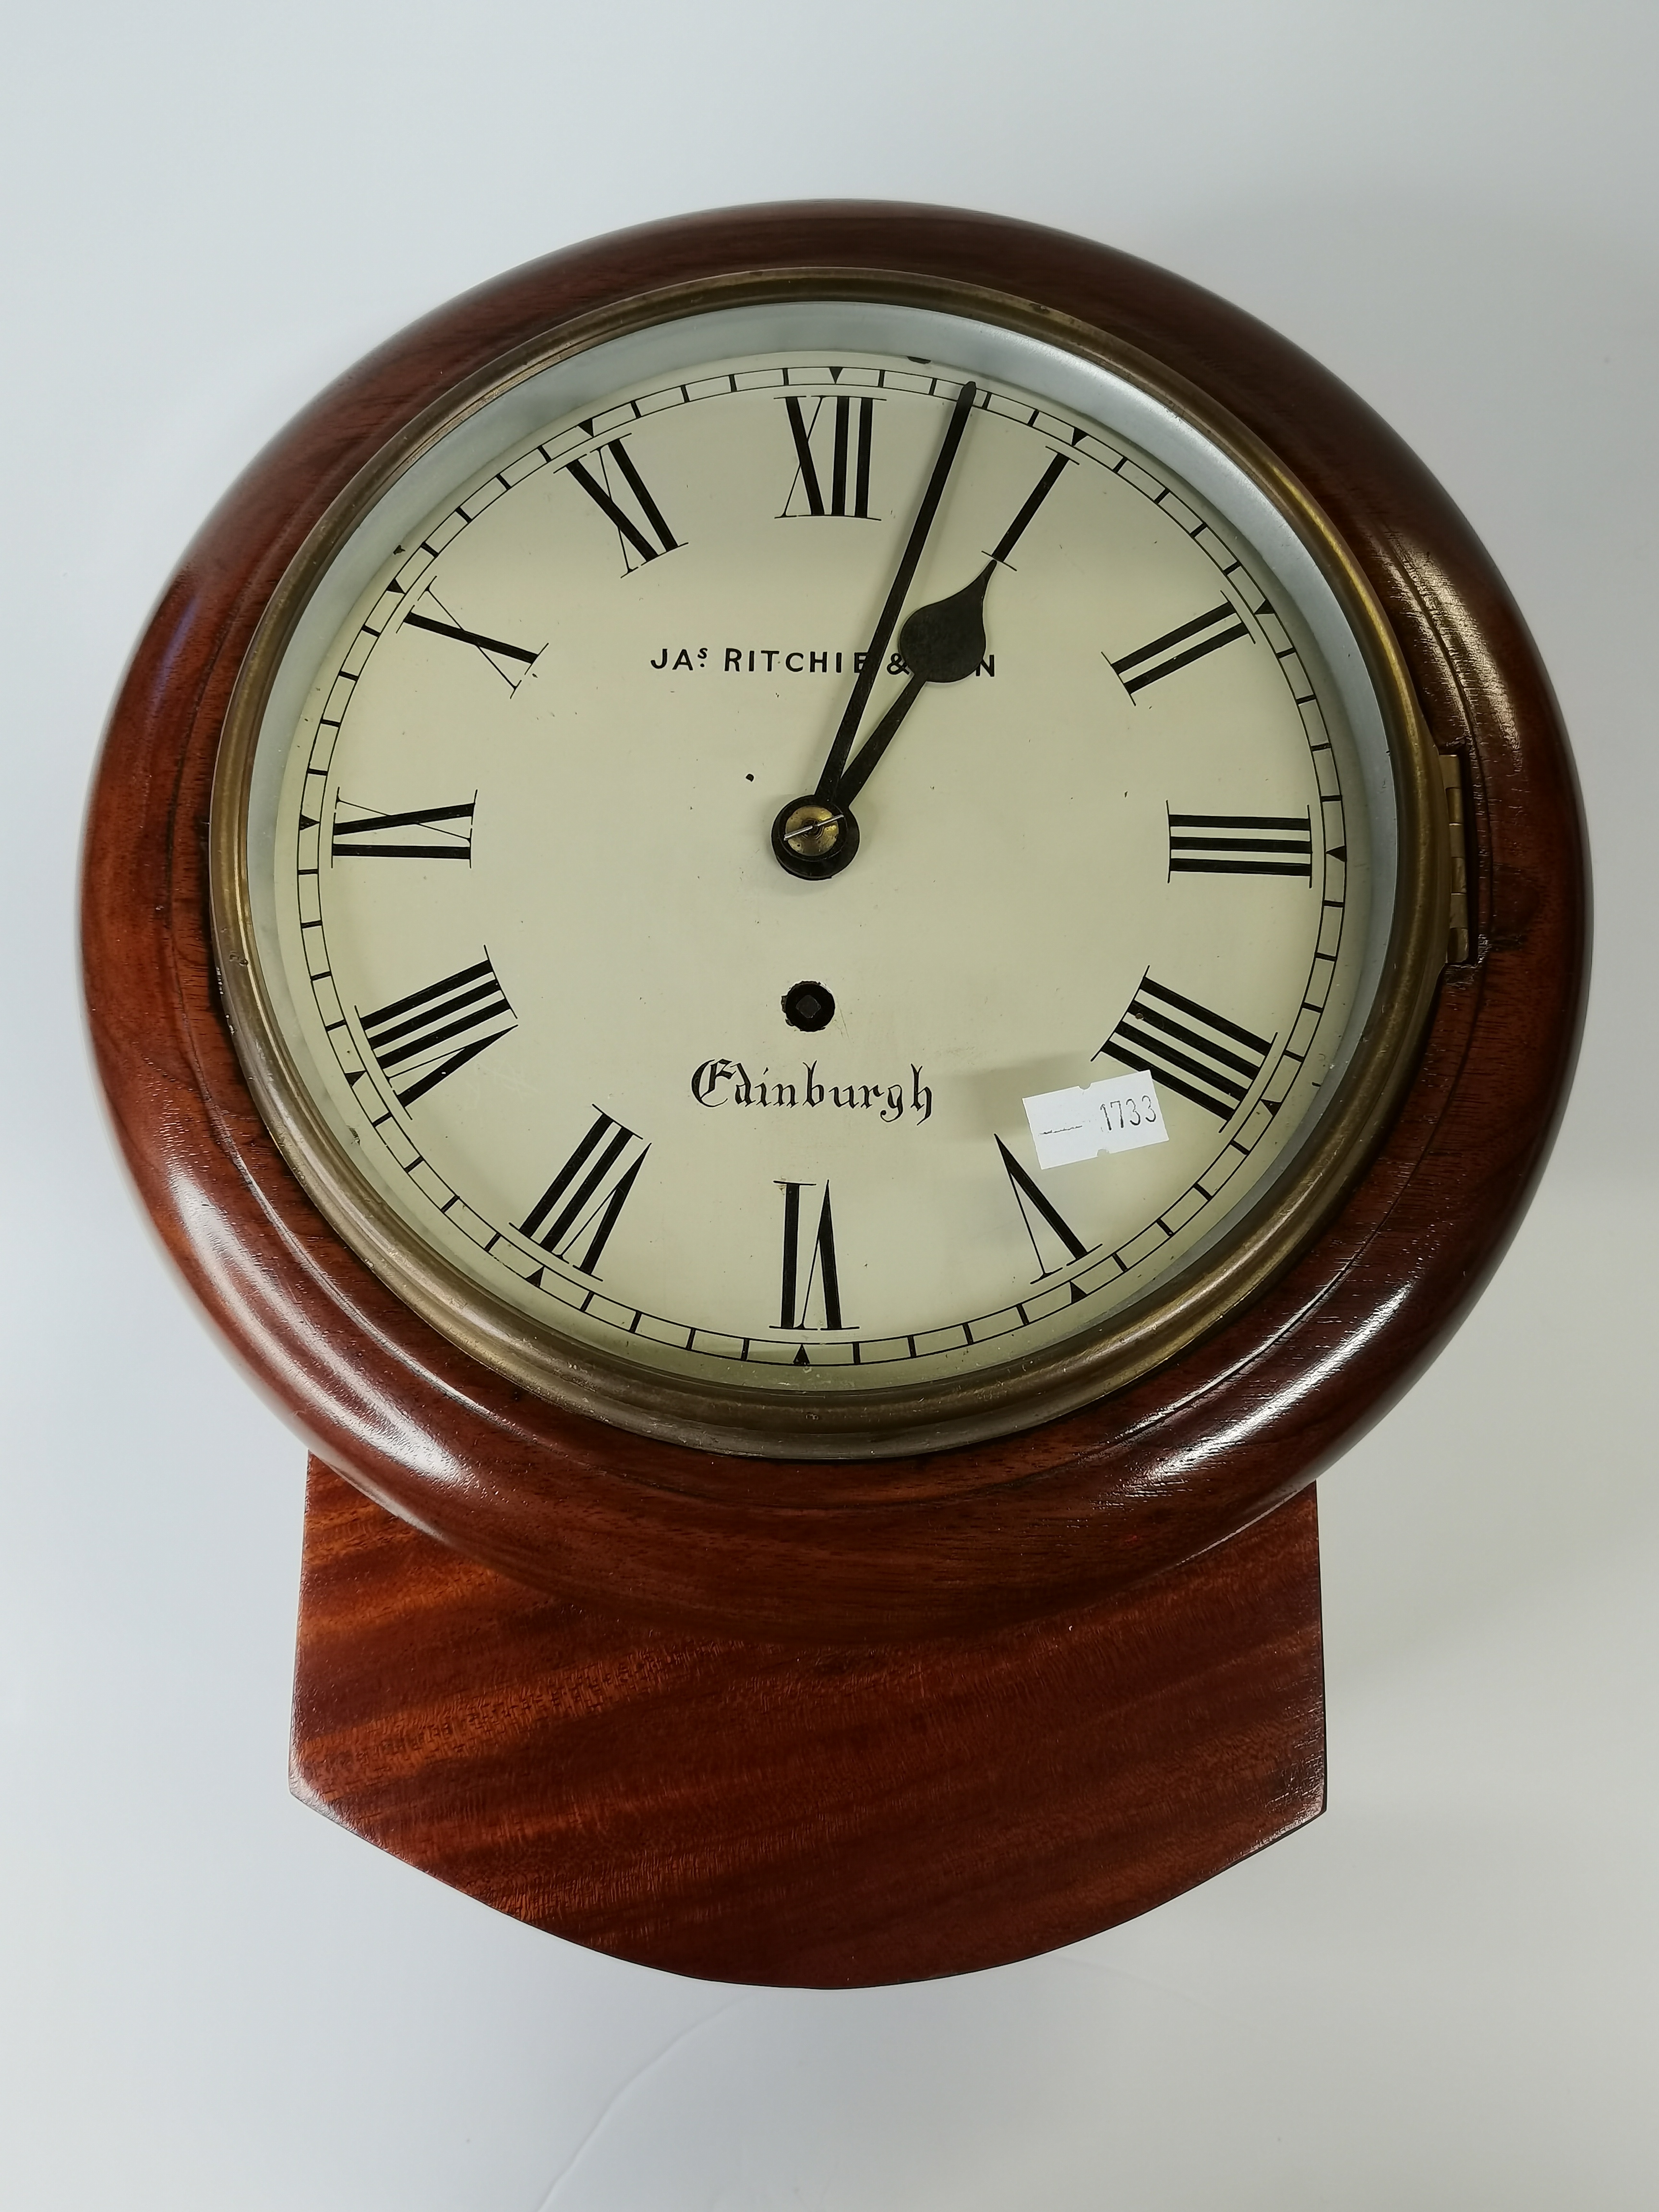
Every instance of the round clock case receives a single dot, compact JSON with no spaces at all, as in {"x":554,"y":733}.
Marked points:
{"x":965,"y":1677}
{"x":517,"y":949}
{"x":1154,"y":1471}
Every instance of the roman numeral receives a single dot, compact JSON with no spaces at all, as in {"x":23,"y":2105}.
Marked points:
{"x":844,"y":427}
{"x":1037,"y":1212}
{"x":642,"y":536}
{"x":495,"y":651}
{"x":1241,"y":845}
{"x":1152,"y":663}
{"x":1016,"y":530}
{"x":585,"y":1198}
{"x":1198,"y":1054}
{"x":415,"y":1036}
{"x":819,"y":1269}
{"x":368,"y":836}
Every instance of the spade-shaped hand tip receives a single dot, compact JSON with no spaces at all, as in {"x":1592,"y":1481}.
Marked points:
{"x":946,"y":642}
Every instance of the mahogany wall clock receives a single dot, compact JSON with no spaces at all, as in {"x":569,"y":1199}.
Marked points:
{"x":830,"y":930}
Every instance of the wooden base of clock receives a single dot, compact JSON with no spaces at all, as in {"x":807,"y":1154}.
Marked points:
{"x":827,"y":1816}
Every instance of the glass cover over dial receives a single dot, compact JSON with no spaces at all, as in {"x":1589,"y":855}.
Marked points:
{"x":819,"y":848}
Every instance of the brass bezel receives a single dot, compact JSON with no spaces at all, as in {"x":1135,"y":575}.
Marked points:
{"x":768,"y":1423}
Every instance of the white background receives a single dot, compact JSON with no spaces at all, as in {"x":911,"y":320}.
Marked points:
{"x":1440,"y":1995}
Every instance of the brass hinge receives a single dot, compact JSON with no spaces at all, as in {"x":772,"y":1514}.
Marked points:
{"x":1457,"y":918}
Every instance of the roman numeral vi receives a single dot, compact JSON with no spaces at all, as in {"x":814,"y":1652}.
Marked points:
{"x":818,"y":1270}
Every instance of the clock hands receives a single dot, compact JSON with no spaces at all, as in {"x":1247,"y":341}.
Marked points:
{"x":815,"y":836}
{"x":940,"y":643}
{"x":858,"y":699}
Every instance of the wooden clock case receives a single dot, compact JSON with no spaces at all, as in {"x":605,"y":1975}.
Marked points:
{"x":771,"y":1721}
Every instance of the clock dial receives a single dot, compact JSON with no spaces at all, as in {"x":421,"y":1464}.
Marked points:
{"x":593,"y":977}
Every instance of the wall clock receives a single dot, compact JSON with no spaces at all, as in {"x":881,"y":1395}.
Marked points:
{"x":830,"y":930}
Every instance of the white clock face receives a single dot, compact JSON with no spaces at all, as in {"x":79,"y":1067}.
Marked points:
{"x":544,"y":972}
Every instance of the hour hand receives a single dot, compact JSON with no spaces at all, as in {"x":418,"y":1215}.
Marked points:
{"x":939,"y":644}
{"x":944,"y":642}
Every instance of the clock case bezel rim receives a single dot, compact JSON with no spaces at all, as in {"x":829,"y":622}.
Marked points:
{"x":1273,"y":1229}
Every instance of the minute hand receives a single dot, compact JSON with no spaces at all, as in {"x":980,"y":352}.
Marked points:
{"x":835,"y":762}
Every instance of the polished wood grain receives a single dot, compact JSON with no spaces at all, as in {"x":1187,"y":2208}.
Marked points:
{"x":1027,"y":1528}
{"x":826,"y":1815}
